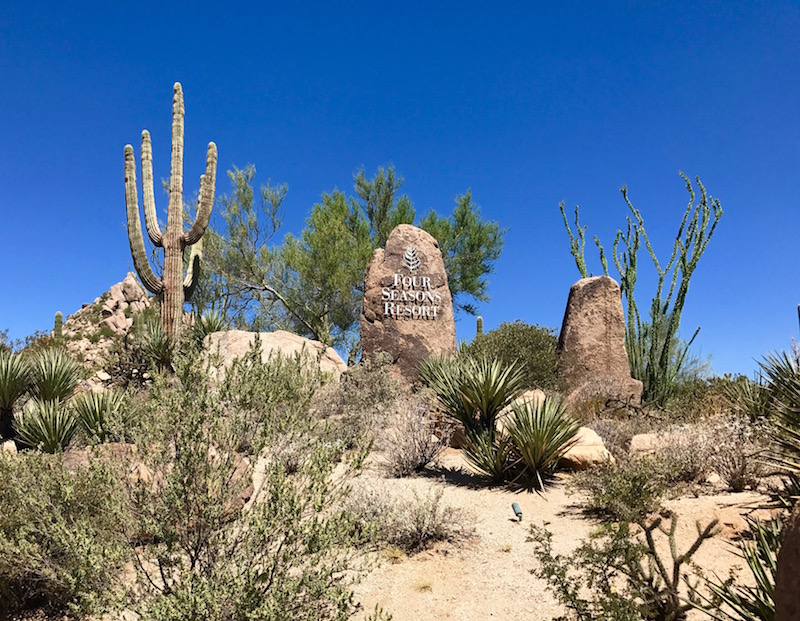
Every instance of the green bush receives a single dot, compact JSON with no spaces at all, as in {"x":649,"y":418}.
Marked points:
{"x":519,"y":343}
{"x":59,"y":547}
{"x":615,"y":576}
{"x":626,"y":491}
{"x":99,"y":414}
{"x":207,"y":555}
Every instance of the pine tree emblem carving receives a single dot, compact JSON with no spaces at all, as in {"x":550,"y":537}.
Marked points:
{"x":411,"y":258}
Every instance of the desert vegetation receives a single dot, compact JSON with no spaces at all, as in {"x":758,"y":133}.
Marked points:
{"x":192,"y":484}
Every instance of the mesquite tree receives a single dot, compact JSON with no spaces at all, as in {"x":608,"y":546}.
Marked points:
{"x":655,"y":353}
{"x":172,"y":289}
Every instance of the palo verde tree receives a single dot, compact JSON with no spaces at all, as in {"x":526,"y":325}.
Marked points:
{"x":313,"y":283}
{"x":655,"y":352}
{"x":172,"y":289}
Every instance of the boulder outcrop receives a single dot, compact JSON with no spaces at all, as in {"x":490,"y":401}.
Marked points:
{"x":592,"y":359}
{"x":232,"y":344}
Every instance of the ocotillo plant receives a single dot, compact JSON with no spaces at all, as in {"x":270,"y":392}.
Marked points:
{"x":172,"y":289}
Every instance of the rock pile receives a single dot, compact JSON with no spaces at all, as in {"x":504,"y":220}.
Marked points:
{"x":90,"y":332}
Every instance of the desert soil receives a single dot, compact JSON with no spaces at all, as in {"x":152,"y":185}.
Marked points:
{"x":488,"y":576}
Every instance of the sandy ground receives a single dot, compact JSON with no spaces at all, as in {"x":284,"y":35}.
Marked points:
{"x":489,"y":575}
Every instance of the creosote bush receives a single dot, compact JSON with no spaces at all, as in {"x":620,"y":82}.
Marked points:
{"x":204,"y":551}
{"x":60,"y":546}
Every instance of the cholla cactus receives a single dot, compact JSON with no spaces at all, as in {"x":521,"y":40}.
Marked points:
{"x":172,"y":289}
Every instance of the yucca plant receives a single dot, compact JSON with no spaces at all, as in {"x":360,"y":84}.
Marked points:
{"x":158,"y":346}
{"x":97,"y":411}
{"x":541,"y":433}
{"x":208,"y":323}
{"x":45,"y":426}
{"x":14,"y":382}
{"x":491,"y":456}
{"x":783,"y":377}
{"x":757,"y":602}
{"x":473,"y":392}
{"x":54,"y":375}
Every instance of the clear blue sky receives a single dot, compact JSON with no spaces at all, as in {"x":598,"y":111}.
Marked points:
{"x":526,"y":105}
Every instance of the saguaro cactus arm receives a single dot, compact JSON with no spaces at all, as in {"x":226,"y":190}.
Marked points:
{"x":140,"y":262}
{"x":193,"y":272}
{"x":206,"y":199}
{"x":148,"y":195}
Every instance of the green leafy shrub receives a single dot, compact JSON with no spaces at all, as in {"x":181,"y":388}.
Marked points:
{"x":208,"y":554}
{"x":14,"y":382}
{"x":519,"y":343}
{"x":46,"y":426}
{"x":59,"y":543}
{"x":54,"y":375}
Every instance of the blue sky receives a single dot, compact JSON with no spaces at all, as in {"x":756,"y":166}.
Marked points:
{"x":526,"y":104}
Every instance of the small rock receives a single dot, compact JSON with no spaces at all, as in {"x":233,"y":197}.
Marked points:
{"x":587,"y":451}
{"x":103,"y":376}
{"x":645,"y":443}
{"x":9,"y":446}
{"x":713,"y":478}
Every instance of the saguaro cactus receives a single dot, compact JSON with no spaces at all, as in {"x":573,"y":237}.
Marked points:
{"x":57,"y":322}
{"x":172,"y":288}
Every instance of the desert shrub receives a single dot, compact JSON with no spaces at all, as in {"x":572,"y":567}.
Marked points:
{"x":621,"y":576}
{"x":532,"y":346}
{"x":411,"y":524}
{"x":46,"y":426}
{"x":100,"y":414}
{"x":624,"y":492}
{"x":288,"y":554}
{"x":737,"y":454}
{"x":59,"y":547}
{"x":412,"y":438}
{"x":207,"y":323}
{"x":14,"y":382}
{"x":473,"y":392}
{"x":356,"y":405}
{"x":617,"y":433}
{"x":54,"y":375}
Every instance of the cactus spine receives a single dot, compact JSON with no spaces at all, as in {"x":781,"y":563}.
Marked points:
{"x":59,"y":320}
{"x":172,"y":289}
{"x":479,"y":325}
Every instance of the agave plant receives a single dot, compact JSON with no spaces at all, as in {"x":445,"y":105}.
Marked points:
{"x":491,"y":456}
{"x":541,"y":433}
{"x":45,"y":426}
{"x":757,"y":602}
{"x":14,"y":382}
{"x":97,"y":411}
{"x":158,"y":346}
{"x":54,"y":375}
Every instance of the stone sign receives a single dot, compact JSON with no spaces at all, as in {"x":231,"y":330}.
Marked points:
{"x":408,"y":311}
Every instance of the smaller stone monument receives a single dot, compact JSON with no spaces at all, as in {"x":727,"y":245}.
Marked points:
{"x":592,"y":359}
{"x":408,"y":310}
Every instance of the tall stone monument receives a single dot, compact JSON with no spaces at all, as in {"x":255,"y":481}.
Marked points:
{"x":592,"y":359}
{"x":408,"y":310}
